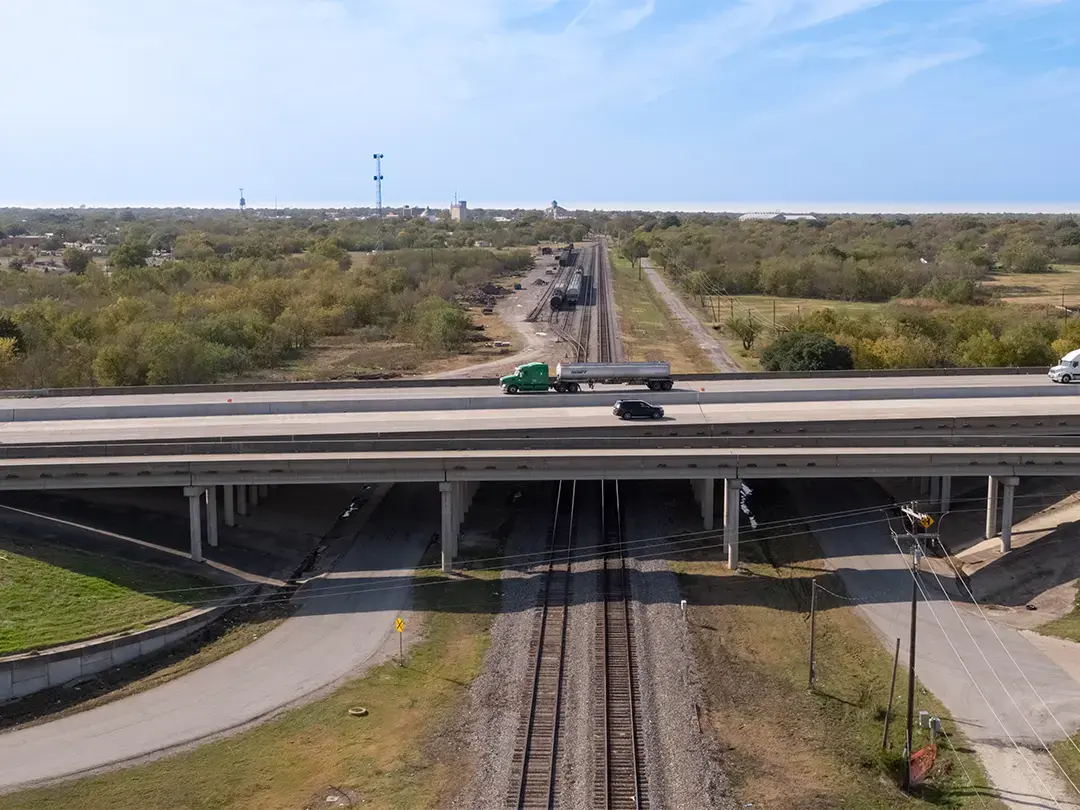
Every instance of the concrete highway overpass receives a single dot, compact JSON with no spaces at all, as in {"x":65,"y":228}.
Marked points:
{"x":226,"y":447}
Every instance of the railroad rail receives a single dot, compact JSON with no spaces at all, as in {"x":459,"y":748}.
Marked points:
{"x":584,"y":341}
{"x":620,"y":781}
{"x":608,"y":350}
{"x":537,"y":749}
{"x":542,"y":304}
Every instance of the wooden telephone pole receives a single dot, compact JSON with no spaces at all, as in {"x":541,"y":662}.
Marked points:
{"x":917,"y":534}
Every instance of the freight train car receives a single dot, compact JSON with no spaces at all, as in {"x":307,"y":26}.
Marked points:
{"x":576,"y":290}
{"x":558,"y":295}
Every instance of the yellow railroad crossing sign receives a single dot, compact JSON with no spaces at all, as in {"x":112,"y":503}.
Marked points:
{"x":399,"y":625}
{"x":926,"y":522}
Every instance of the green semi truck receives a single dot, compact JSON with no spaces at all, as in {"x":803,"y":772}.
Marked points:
{"x":569,"y":377}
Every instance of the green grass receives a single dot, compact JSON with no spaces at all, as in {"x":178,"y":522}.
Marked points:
{"x":649,"y":331}
{"x":402,"y":756}
{"x":1066,"y":627}
{"x":51,"y":595}
{"x":1065,"y":753}
{"x":807,"y":749}
{"x":1039,"y":288}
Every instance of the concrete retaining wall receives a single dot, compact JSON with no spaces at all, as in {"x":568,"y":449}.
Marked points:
{"x":22,"y":675}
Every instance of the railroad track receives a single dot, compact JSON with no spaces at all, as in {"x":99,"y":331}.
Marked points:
{"x":584,"y":340}
{"x":620,"y":781}
{"x":537,"y":749}
{"x":542,"y":304}
{"x":608,"y":340}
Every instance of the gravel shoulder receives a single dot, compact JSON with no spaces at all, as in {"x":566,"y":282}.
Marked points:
{"x":708,"y":343}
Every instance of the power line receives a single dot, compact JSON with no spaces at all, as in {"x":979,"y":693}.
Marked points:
{"x":971,"y":677}
{"x":1005,"y":689}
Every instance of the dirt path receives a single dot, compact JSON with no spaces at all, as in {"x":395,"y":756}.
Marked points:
{"x":513,"y":309}
{"x":708,"y":343}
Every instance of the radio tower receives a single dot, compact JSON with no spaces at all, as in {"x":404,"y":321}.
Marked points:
{"x":243,"y":202}
{"x":378,"y":184}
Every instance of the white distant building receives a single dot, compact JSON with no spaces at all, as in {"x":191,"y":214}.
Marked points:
{"x":774,"y":216}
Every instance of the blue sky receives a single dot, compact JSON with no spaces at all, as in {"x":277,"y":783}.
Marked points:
{"x":897,"y":104}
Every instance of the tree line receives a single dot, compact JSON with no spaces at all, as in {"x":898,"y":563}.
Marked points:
{"x":932,"y":269}
{"x":227,"y":304}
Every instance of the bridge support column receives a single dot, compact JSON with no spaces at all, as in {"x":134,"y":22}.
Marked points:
{"x":241,"y":500}
{"x":1007,"y":512}
{"x":946,"y":493}
{"x":195,"y":520}
{"x":264,"y":490}
{"x":991,"y":506}
{"x":253,"y":495}
{"x":211,"y":517}
{"x":446,"y":495}
{"x":227,"y":497}
{"x":732,"y":513}
{"x":935,"y":490}
{"x":708,"y":502}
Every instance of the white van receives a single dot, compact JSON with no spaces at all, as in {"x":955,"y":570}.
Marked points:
{"x":1068,"y":368}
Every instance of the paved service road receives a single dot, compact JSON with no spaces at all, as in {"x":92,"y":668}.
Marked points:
{"x":705,"y":339}
{"x":998,"y":686}
{"x":345,"y":620}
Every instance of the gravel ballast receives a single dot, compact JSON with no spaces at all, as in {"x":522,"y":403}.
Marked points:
{"x":683,"y":763}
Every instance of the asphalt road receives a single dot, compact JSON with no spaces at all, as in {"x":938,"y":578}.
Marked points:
{"x":481,"y":421}
{"x":459,"y":397}
{"x":343,"y":621}
{"x":998,"y":686}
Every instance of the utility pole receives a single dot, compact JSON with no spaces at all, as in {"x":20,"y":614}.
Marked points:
{"x":918,"y":524}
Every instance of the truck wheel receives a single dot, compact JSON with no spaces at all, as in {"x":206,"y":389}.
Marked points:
{"x":511,"y":389}
{"x":574,"y":388}
{"x":560,"y":388}
{"x":666,"y":385}
{"x":1066,"y":378}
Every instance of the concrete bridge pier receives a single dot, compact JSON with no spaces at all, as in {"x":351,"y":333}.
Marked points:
{"x":1009,"y":492}
{"x":227,"y":497}
{"x":991,"y":506}
{"x":705,"y":495}
{"x":732,"y":514}
{"x":253,"y":495}
{"x":211,"y":517}
{"x":194,"y":494}
{"x":456,"y":497}
{"x":946,"y":493}
{"x":1007,"y":511}
{"x":241,"y":500}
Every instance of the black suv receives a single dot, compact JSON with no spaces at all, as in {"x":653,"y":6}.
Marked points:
{"x":636,"y":408}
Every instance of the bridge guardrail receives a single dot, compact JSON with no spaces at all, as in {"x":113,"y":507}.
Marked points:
{"x":417,"y":382}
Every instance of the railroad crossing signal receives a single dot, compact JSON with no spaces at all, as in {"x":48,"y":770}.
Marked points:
{"x":399,"y":625}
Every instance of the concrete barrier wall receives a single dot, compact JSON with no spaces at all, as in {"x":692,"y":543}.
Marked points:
{"x":22,"y":675}
{"x":308,"y":385}
{"x":499,"y":401}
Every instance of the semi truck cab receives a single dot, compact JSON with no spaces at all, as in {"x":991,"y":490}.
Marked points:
{"x":527,"y":377}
